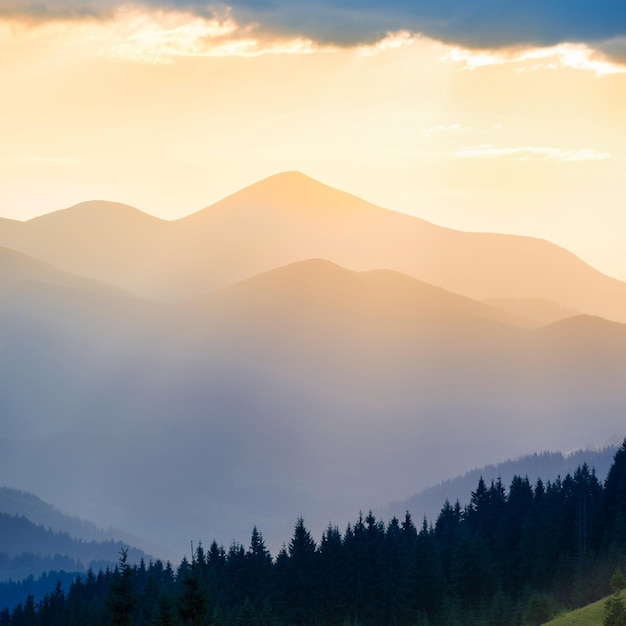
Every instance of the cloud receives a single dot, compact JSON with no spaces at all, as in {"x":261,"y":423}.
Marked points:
{"x":574,"y":56}
{"x":469,"y":23}
{"x":161,"y":36}
{"x":614,"y":48}
{"x":530,"y":153}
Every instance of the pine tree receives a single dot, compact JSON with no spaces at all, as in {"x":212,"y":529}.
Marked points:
{"x":192,"y":606}
{"x":614,"y":611}
{"x":258,"y":569}
{"x":614,"y":608}
{"x":301,"y":585}
{"x":164,"y":615}
{"x":615,"y":499}
{"x":121,"y":597}
{"x":332,"y":559}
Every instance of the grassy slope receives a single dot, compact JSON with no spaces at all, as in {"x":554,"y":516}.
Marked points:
{"x":590,"y":615}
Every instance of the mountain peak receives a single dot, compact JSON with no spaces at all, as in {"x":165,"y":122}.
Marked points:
{"x":291,"y":179}
{"x":96,"y":212}
{"x":292,"y":193}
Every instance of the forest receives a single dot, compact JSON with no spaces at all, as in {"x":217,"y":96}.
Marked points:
{"x":511,"y":556}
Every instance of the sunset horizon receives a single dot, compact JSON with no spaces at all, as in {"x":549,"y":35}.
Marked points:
{"x":479,"y":118}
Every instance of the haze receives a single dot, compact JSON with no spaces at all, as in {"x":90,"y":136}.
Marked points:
{"x":264,"y":261}
{"x":171,"y":110}
{"x":291,"y":349}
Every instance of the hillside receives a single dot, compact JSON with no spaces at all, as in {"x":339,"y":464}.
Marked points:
{"x":545,"y":465}
{"x":17,"y":503}
{"x":512,"y":556}
{"x":14,"y":502}
{"x":31,"y":549}
{"x":590,"y":615}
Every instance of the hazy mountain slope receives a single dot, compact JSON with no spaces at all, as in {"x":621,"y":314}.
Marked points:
{"x":18,"y":269}
{"x":544,"y":465}
{"x":385,"y":340}
{"x":335,"y":290}
{"x":532,"y":312}
{"x":309,"y":390}
{"x":290,"y":217}
{"x":23,"y":503}
{"x":31,"y":549}
{"x":61,"y":336}
{"x":106,"y":241}
{"x":15,"y":502}
{"x":358,"y":338}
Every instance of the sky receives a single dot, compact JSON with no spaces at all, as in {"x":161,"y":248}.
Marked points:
{"x":474,"y":114}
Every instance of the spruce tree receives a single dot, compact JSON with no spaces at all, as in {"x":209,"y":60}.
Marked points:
{"x":121,"y":597}
{"x":614,"y":608}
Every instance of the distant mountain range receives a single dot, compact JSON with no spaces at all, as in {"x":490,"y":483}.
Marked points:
{"x":291,"y":350}
{"x":547,"y":466}
{"x":40,"y":546}
{"x":22,"y":504}
{"x":27,"y":549}
{"x":290,"y":217}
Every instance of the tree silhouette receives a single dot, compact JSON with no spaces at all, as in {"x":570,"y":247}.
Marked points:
{"x":121,"y":598}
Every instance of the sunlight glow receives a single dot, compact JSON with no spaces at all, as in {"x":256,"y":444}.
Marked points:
{"x":569,"y":55}
{"x":391,"y":41}
{"x":529,"y":153}
{"x":161,"y":36}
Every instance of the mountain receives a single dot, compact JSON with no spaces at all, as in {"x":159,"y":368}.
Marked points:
{"x":59,"y":334}
{"x":28,"y":285}
{"x":290,"y":217}
{"x":22,"y":504}
{"x":308,"y":390}
{"x":36,"y":537}
{"x":329,"y":287}
{"x":19,"y":503}
{"x":29,"y":549}
{"x":545,"y":465}
{"x":510,"y":557}
{"x":532,"y":312}
{"x":35,"y":558}
{"x":106,"y":241}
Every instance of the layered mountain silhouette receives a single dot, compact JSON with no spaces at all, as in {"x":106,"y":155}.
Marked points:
{"x":532,"y":312}
{"x":291,"y":350}
{"x":40,"y":514}
{"x":546,"y":466}
{"x":290,"y":217}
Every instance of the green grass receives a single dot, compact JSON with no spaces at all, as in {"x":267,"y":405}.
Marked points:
{"x":590,"y":615}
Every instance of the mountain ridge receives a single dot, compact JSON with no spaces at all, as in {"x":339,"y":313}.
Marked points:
{"x":546,"y":466}
{"x":291,"y":217}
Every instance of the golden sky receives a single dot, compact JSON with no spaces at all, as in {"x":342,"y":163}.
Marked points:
{"x":169,"y":111}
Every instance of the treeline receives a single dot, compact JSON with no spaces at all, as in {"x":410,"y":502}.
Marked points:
{"x":14,"y":591}
{"x":28,"y":564}
{"x":19,"y":535}
{"x":509,"y":557}
{"x":544,"y":465}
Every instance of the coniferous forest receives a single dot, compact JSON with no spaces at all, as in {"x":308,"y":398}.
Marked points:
{"x":514,"y":555}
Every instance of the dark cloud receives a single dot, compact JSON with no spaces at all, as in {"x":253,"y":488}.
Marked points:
{"x":615,"y":48}
{"x":474,"y":23}
{"x":55,"y":9}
